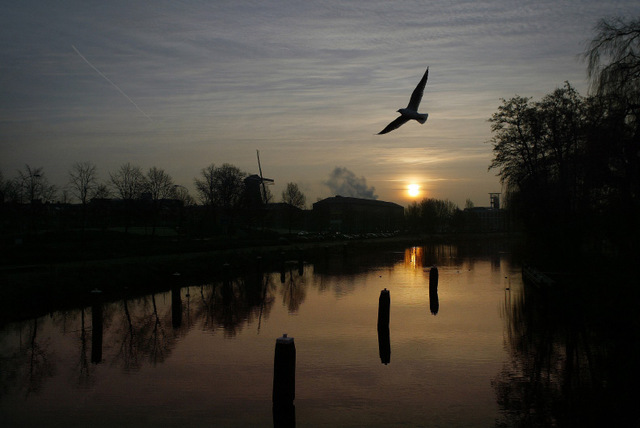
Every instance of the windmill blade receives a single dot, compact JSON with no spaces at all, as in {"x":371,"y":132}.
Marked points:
{"x":264,"y":189}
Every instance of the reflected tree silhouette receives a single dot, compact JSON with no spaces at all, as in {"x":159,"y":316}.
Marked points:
{"x":40,"y":362}
{"x":85,"y":373}
{"x":143,"y":332}
{"x":234,"y":303}
{"x":569,"y":365}
{"x":28,"y":364}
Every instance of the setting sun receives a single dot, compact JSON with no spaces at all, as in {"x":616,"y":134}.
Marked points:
{"x":414,"y":190}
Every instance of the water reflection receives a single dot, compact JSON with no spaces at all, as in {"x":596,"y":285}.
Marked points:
{"x":434,"y":302}
{"x":96,"y":332}
{"x":570,"y":365}
{"x":208,"y":340}
{"x":384,"y":344}
{"x":176,"y":308}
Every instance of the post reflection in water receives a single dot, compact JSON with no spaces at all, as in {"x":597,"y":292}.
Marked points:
{"x":384,"y":345}
{"x":567,"y":358}
{"x":96,"y":328}
{"x":434,"y":302}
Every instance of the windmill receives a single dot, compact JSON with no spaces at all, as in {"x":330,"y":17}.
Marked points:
{"x":263,"y":180}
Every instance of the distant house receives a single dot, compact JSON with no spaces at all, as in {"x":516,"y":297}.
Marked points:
{"x":355,"y":215}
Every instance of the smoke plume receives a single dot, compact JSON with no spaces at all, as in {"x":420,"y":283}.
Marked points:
{"x":345,"y":183}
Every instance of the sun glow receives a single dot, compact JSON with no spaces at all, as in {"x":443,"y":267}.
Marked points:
{"x":414,"y":190}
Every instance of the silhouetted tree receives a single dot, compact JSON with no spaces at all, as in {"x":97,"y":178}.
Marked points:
{"x":293,"y":196}
{"x":431,"y":215}
{"x":83,"y":181}
{"x":295,"y":199}
{"x":206,"y":186}
{"x":538,"y":149}
{"x":159,"y":184}
{"x":228,"y":185}
{"x":613,"y":59}
{"x":128,"y":181}
{"x":32,"y":185}
{"x":181,"y":193}
{"x":102,"y":191}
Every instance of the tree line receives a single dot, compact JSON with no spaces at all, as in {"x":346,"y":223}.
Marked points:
{"x":225,"y":198}
{"x":221,"y":186}
{"x":571,"y":163}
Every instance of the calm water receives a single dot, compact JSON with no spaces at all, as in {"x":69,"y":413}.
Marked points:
{"x":203,"y":355}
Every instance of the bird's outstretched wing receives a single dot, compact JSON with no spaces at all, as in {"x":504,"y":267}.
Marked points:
{"x":401,"y":120}
{"x":416,"y":96}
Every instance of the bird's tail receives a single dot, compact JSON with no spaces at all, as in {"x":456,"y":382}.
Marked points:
{"x":423,"y":118}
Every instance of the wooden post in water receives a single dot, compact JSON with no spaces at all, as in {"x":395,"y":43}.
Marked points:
{"x":384,"y":304}
{"x":284,"y":382}
{"x":384,"y":345}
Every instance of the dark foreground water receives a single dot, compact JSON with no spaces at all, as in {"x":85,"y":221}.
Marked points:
{"x":478,"y":352}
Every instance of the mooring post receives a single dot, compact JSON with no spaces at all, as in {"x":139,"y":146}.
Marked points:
{"x":284,"y":372}
{"x":384,"y":304}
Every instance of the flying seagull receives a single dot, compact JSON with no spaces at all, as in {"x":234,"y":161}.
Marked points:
{"x":411,"y":111}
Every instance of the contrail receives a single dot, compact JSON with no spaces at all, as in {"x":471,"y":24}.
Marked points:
{"x":109,"y":80}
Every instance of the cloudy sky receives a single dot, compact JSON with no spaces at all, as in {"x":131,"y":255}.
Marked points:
{"x":183,"y":84}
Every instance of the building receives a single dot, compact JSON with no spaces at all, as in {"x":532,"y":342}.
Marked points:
{"x":355,"y":215}
{"x":486,"y":219}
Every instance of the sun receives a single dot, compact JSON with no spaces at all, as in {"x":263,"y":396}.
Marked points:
{"x":414,"y":190}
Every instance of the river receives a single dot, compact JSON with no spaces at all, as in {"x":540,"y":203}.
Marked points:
{"x":203,"y":354}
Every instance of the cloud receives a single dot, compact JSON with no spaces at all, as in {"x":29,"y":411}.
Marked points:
{"x":345,"y":183}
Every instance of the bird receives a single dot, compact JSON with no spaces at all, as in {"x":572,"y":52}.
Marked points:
{"x":411,"y":111}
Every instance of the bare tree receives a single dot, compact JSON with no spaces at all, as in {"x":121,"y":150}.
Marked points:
{"x":293,"y":196}
{"x":206,"y":186}
{"x":613,"y":58}
{"x":33,"y":186}
{"x":221,"y":187}
{"x":83,"y":180}
{"x":295,"y":199}
{"x":128,"y":181}
{"x":229,"y":186}
{"x":181,"y":193}
{"x":102,"y":191}
{"x":159,"y":184}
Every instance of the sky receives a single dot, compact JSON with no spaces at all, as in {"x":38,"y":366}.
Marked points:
{"x":180,"y":85}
